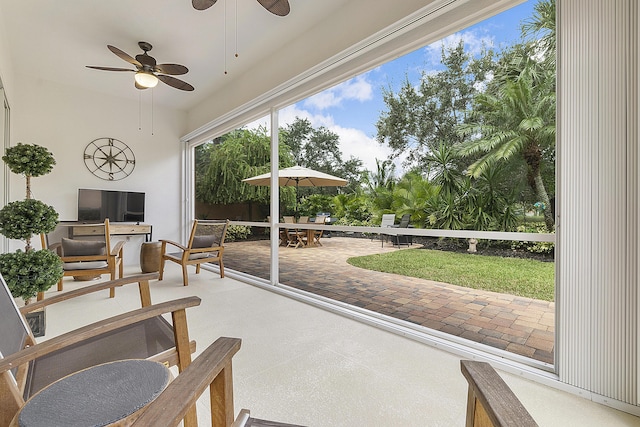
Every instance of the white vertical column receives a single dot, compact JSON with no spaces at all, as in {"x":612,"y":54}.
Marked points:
{"x":598,"y":183}
{"x":275,"y":199}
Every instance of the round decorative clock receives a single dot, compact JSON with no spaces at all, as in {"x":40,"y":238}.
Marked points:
{"x":109,"y":159}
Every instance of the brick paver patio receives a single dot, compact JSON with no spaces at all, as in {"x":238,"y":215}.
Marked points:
{"x":519,"y":325}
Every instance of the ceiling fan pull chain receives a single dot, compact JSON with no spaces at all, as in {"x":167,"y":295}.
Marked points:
{"x":139,"y":110}
{"x":236,"y":18}
{"x":152,"y":111}
{"x":225,"y":36}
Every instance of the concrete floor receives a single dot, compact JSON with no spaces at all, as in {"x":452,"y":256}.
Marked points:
{"x":301,"y":364}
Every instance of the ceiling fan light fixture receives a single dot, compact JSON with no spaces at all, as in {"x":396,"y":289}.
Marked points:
{"x":145,"y":79}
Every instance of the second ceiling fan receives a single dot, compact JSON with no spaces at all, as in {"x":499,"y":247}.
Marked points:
{"x":148,"y":71}
{"x":277,"y":7}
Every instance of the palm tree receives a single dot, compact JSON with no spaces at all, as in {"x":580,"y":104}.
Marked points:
{"x":519,"y":120}
{"x":542,"y":27}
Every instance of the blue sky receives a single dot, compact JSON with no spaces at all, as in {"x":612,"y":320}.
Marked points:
{"x":352,"y":108}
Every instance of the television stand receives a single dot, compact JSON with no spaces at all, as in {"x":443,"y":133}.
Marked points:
{"x":116,"y":229}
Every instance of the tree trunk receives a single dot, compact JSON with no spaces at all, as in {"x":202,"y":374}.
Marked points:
{"x":28,"y":186}
{"x":544,"y":198}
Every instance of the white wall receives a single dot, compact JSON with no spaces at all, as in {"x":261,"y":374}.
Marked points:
{"x":65,"y":119}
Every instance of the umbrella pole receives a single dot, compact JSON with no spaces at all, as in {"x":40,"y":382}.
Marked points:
{"x":296,"y":211}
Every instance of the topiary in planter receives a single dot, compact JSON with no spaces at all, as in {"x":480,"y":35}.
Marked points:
{"x":29,"y":272}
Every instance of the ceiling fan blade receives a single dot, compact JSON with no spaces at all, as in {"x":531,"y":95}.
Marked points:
{"x":202,"y":4}
{"x":277,"y":7}
{"x":177,"y":83}
{"x":125,"y":56}
{"x":173,"y":69}
{"x":108,"y":68}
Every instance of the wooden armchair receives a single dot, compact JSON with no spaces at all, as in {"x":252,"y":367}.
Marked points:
{"x":317,"y":234}
{"x":84,"y":258}
{"x":27,"y":367}
{"x":295,"y":237}
{"x":210,"y":369}
{"x":206,"y":244}
{"x":491,"y":403}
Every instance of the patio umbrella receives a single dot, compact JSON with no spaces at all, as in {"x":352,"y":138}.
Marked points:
{"x":298,"y":176}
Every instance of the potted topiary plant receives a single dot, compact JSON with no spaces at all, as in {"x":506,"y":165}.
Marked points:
{"x":29,"y":271}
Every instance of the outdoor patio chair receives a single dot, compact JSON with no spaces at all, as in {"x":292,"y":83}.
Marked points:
{"x":294,"y":237}
{"x":402,"y":239}
{"x":86,"y":252}
{"x":387,"y":221}
{"x":212,"y":369}
{"x":206,"y":244}
{"x":27,"y":367}
{"x":317,"y":234}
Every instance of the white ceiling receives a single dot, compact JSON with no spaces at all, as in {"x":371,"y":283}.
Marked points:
{"x":54,"y":39}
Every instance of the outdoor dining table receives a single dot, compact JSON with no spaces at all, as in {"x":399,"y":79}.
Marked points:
{"x":310,"y":234}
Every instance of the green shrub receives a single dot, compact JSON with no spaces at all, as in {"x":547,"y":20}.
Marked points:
{"x":534,"y":247}
{"x":237,"y":232}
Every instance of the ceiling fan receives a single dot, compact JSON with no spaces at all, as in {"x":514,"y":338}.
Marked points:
{"x":148,"y":72}
{"x":277,"y":7}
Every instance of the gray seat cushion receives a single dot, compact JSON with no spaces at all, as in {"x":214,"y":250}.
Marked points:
{"x":84,"y":265}
{"x":72,"y":247}
{"x":201,"y":255}
{"x":98,"y":396}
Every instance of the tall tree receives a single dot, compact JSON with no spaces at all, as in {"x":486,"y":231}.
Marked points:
{"x":419,"y":118}
{"x":238,"y":155}
{"x":542,"y":28}
{"x":517,"y":121}
{"x":515,"y":117}
{"x":319,"y":149}
{"x":383,"y":177}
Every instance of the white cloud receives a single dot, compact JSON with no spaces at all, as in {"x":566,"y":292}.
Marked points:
{"x":353,"y":142}
{"x":358,"y":88}
{"x":474,"y":41}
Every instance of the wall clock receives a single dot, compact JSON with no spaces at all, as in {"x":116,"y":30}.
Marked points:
{"x":109,"y":159}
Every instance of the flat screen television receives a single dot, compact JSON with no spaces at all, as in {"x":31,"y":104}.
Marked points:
{"x":118,"y":206}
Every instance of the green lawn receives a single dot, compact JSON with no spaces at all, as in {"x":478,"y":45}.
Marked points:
{"x":515,"y":276}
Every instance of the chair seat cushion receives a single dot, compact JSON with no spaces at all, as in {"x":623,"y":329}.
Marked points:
{"x":106,"y":394}
{"x":72,"y":247}
{"x":177,"y":256}
{"x":202,"y":255}
{"x":85,"y":265}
